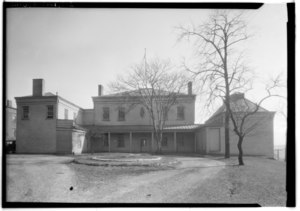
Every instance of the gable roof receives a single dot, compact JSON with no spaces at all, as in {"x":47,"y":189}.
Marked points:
{"x":238,"y":104}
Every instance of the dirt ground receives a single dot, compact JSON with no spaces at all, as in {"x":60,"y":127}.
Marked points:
{"x":45,"y":178}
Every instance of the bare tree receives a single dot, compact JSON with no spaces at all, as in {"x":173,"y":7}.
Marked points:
{"x":220,"y":69}
{"x":245,"y":115}
{"x":156,"y":86}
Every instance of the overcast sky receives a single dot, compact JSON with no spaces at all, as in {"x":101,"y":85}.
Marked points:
{"x":74,"y":50}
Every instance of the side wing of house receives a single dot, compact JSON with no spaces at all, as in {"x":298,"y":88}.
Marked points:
{"x":259,"y":141}
{"x":36,"y":130}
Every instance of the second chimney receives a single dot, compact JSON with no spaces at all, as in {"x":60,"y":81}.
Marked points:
{"x":38,"y":87}
{"x":100,"y":90}
{"x":190,"y":88}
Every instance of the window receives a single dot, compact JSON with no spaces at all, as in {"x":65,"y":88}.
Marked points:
{"x":142,"y":112}
{"x":121,"y":114}
{"x":66,"y":114}
{"x":50,"y":112}
{"x":180,"y":113}
{"x":121,"y":141}
{"x":165,"y":113}
{"x":74,"y":115}
{"x":25,"y":112}
{"x":164,"y":142}
{"x":105,"y":114}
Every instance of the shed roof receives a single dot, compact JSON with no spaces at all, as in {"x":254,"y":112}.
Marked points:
{"x":140,"y":128}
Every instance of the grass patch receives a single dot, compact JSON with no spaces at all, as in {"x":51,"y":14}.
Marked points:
{"x":260,"y":181}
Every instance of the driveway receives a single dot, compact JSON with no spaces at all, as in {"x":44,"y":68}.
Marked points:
{"x":45,"y":178}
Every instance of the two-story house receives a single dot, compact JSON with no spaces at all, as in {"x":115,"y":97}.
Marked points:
{"x":118,"y":123}
{"x":48,"y":123}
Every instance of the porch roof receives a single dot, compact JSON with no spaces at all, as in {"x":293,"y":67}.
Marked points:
{"x":140,"y":128}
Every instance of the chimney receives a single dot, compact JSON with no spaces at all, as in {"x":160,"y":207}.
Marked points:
{"x":9,"y":103}
{"x":38,"y":87}
{"x":237,"y":96}
{"x":190,"y":88}
{"x":100,"y":90}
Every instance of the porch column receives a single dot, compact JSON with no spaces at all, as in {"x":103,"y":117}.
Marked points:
{"x":152,"y":142}
{"x":195,"y":142}
{"x":130,"y":141}
{"x":108,"y":142}
{"x":175,"y":141}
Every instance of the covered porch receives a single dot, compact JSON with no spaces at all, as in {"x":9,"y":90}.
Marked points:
{"x":141,"y":139}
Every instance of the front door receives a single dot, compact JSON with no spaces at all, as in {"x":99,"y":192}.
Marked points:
{"x":144,"y":145}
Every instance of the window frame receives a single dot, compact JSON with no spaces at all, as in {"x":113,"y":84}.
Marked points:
{"x":121,"y":110}
{"x":166,"y":113}
{"x":103,"y":113}
{"x":25,"y":117}
{"x":180,"y":113}
{"x":142,"y":112}
{"x":49,"y":111}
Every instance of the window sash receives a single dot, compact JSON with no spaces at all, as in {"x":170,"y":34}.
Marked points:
{"x":105,"y":115}
{"x":50,"y":112}
{"x":180,"y":113}
{"x":25,"y":112}
{"x":121,"y":116}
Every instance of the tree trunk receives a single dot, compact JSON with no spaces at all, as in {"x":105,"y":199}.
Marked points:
{"x":227,"y":140}
{"x":239,"y":145}
{"x":158,"y":140}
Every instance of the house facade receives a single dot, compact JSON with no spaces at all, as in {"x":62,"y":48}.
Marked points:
{"x":48,"y":123}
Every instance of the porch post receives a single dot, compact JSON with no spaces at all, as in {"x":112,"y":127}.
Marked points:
{"x":152,"y":142}
{"x":108,"y":141}
{"x":175,"y":141}
{"x":130,"y":141}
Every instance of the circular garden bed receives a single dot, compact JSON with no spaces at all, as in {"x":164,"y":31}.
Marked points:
{"x":125,"y":159}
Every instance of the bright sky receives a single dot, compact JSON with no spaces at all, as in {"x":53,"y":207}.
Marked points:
{"x":74,"y":50}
